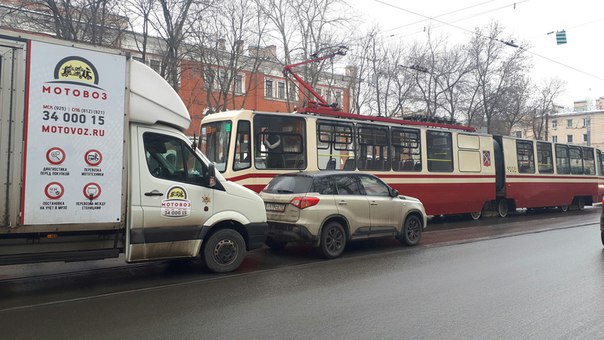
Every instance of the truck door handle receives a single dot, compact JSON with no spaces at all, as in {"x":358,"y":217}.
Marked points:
{"x":154,"y":193}
{"x":373,"y":203}
{"x":342,"y":203}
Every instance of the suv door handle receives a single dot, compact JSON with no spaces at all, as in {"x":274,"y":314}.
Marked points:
{"x":373,"y":203}
{"x":154,"y":193}
{"x":342,"y":203}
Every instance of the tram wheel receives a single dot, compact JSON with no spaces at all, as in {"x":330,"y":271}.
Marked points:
{"x":602,"y":237}
{"x":476,"y":215}
{"x":502,"y":208}
{"x":580,"y":204}
{"x":563,"y":208}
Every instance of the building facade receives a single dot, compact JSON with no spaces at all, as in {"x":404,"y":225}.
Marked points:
{"x":256,"y":81}
{"x":580,"y":128}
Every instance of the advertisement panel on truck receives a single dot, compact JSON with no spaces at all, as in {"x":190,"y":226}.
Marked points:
{"x":75,"y":110}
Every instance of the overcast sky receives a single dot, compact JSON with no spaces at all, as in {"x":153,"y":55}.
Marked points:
{"x":580,"y":62}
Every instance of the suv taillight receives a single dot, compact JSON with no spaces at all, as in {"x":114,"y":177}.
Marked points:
{"x":304,"y":202}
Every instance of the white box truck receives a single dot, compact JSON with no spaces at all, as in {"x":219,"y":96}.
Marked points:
{"x":94,"y":163}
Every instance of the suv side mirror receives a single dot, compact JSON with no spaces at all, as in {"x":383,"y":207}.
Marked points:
{"x":394,"y":193}
{"x":211,"y":175}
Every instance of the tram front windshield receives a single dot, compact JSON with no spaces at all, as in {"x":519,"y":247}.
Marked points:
{"x":215,"y":139}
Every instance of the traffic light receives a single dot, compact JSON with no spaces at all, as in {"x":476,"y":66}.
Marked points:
{"x":560,"y":37}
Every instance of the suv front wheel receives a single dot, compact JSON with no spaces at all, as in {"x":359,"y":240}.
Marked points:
{"x":412,"y":231}
{"x":333,"y":240}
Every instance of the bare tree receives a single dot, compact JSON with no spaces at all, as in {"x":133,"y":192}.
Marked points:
{"x":90,"y":21}
{"x":304,"y":27}
{"x":172,"y":19}
{"x":429,"y":59}
{"x":516,"y":98}
{"x":139,"y":12}
{"x":455,"y":71}
{"x":495,"y":66}
{"x":543,"y":106}
{"x":360,"y":71}
{"x":220,"y":41}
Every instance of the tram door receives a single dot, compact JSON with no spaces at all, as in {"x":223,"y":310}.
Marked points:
{"x":499,"y":164}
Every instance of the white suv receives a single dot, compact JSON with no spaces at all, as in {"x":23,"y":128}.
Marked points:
{"x":329,"y":208}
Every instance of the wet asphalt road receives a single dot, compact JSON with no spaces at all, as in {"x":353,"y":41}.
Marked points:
{"x":545,"y":284}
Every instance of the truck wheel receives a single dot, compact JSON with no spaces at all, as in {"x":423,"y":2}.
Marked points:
{"x":333,"y":240}
{"x":224,"y":251}
{"x":602,"y":237}
{"x":412,"y":231}
{"x":275,"y":245}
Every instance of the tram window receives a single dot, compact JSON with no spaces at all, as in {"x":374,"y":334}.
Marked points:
{"x":600,"y":163}
{"x":526,"y":159}
{"x":406,"y":150}
{"x":440,"y":151}
{"x":544,"y":158}
{"x":589,"y":164}
{"x":215,"y":140}
{"x":562,"y":160}
{"x":279,"y":142}
{"x":242,"y":157}
{"x":576,"y":160}
{"x":335,"y":146}
{"x":372,"y":148}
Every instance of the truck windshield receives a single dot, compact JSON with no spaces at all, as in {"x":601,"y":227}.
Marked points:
{"x":215,"y":138}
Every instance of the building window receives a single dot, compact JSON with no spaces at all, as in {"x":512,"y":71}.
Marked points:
{"x":518,"y":134}
{"x":238,"y":84}
{"x":585,"y":122}
{"x":155,"y":65}
{"x":569,"y":138}
{"x":268,"y":89}
{"x":554,"y":124}
{"x":292,"y":93}
{"x":555,"y":139}
{"x":208,"y":79}
{"x":339,"y":98}
{"x":569,"y":123}
{"x":585,"y":139}
{"x":281,"y":90}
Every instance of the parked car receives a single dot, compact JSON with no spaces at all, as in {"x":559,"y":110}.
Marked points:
{"x":330,"y":208}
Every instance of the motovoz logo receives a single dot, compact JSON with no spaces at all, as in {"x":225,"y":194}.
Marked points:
{"x":76,"y":71}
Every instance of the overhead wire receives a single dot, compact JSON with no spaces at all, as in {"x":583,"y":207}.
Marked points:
{"x":503,"y":42}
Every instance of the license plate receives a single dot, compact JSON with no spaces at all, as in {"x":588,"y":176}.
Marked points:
{"x":275,"y":207}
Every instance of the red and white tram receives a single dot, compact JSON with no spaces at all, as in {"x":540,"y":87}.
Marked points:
{"x":451,"y":169}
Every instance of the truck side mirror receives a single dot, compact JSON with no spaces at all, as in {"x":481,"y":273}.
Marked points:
{"x":211,"y":175}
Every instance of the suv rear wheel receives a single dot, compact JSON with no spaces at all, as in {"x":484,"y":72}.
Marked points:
{"x":333,"y":240}
{"x":412,"y":231}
